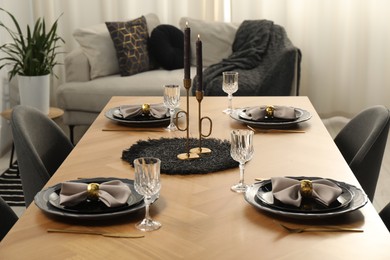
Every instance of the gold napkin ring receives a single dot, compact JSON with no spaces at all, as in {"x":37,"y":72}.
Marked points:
{"x":269,"y":111}
{"x":93,"y":191}
{"x":145,"y":109}
{"x":306,"y":188}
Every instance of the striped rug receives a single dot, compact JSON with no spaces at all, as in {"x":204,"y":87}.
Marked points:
{"x":11,"y":187}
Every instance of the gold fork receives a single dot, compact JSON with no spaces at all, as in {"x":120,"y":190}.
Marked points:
{"x":319,"y":229}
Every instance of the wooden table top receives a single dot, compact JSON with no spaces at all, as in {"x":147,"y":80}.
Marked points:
{"x":201,"y":217}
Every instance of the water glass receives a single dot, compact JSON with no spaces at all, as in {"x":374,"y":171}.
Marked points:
{"x":171,"y":101}
{"x":241,"y":150}
{"x":147,"y":183}
{"x":229,"y":86}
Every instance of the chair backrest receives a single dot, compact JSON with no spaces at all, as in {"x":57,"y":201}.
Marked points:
{"x":362,"y":142}
{"x":7,"y":218}
{"x":41,"y":147}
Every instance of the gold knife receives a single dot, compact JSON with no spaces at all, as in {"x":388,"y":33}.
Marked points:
{"x":90,"y":232}
{"x":275,"y":130}
{"x":134,"y":130}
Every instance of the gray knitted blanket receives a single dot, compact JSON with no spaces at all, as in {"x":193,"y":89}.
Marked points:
{"x":264,"y":57}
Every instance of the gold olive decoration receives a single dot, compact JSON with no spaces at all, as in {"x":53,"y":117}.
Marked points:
{"x":93,"y":191}
{"x":269,"y":111}
{"x":145,"y":109}
{"x":306,"y":188}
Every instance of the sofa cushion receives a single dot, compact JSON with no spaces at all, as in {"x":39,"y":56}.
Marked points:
{"x":167,"y":46}
{"x":76,"y":96}
{"x":217,"y":39}
{"x":131,"y":43}
{"x":97,"y":45}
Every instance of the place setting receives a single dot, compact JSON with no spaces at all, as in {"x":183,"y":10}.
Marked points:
{"x":293,"y":197}
{"x":90,"y":199}
{"x":270,"y":116}
{"x":261,"y":116}
{"x":105,"y":198}
{"x":149,"y":115}
{"x":140,"y":115}
{"x":305,"y":197}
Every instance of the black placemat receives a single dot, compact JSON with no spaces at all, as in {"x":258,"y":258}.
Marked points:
{"x":167,"y":149}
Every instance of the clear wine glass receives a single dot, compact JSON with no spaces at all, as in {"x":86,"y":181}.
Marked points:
{"x":147,"y":183}
{"x":229,"y":86}
{"x":241,"y":151}
{"x":171,"y":101}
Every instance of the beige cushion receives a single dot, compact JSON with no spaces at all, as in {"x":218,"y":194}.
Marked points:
{"x":217,"y":39}
{"x":98,"y":46}
{"x":77,"y":66}
{"x":76,"y":96}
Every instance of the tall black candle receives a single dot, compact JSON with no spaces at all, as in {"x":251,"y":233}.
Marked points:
{"x":199,"y":65}
{"x":187,"y":49}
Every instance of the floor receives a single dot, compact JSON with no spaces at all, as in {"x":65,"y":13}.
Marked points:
{"x":334,"y":124}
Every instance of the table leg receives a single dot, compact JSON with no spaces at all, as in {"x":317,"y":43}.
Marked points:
{"x":11,"y":160}
{"x":71,"y":134}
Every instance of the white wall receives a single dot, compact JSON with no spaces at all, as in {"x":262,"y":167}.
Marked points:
{"x":24,"y":17}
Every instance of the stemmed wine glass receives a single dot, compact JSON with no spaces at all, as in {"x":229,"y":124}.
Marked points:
{"x":171,"y":101}
{"x":147,"y":183}
{"x":229,"y":86}
{"x":241,"y":151}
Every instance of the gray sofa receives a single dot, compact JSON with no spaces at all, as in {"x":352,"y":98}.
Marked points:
{"x":92,"y":76}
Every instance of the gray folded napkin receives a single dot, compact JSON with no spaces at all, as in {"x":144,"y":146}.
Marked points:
{"x":156,"y":110}
{"x":279,"y":112}
{"x":112,"y":193}
{"x":288,"y":191}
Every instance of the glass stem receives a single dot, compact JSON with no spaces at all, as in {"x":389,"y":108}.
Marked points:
{"x":242,"y":167}
{"x":230,"y":97}
{"x":171,"y":112}
{"x":147,"y":204}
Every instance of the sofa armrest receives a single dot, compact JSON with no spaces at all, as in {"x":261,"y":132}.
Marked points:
{"x":77,"y":67}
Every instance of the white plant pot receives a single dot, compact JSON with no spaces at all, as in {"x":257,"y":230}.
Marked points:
{"x":35,"y":92}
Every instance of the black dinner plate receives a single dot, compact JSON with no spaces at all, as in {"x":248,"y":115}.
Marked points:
{"x":114,"y":115}
{"x":302,"y":116}
{"x":298,"y":114}
{"x":359,"y":199}
{"x":94,"y":207}
{"x":265,"y":195}
{"x":42,"y":200}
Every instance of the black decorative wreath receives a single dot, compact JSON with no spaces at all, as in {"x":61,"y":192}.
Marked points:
{"x":167,"y":149}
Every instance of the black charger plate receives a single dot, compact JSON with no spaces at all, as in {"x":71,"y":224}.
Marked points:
{"x":42,"y":200}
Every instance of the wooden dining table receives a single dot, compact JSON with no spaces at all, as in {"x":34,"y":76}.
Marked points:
{"x":201,"y":217}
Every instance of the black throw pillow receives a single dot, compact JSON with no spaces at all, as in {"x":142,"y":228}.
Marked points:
{"x":130,"y":39}
{"x":166,"y":45}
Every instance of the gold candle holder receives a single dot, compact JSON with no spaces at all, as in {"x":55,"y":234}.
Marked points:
{"x":188,"y":155}
{"x":200,"y":149}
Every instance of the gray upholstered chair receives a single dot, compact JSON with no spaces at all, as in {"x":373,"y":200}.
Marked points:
{"x":362,"y":142}
{"x":7,"y":218}
{"x":41,"y":147}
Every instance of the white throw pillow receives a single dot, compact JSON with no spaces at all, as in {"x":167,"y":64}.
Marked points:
{"x":97,"y":45}
{"x":217,"y":39}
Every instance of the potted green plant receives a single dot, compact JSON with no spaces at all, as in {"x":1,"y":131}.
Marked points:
{"x":31,"y":58}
